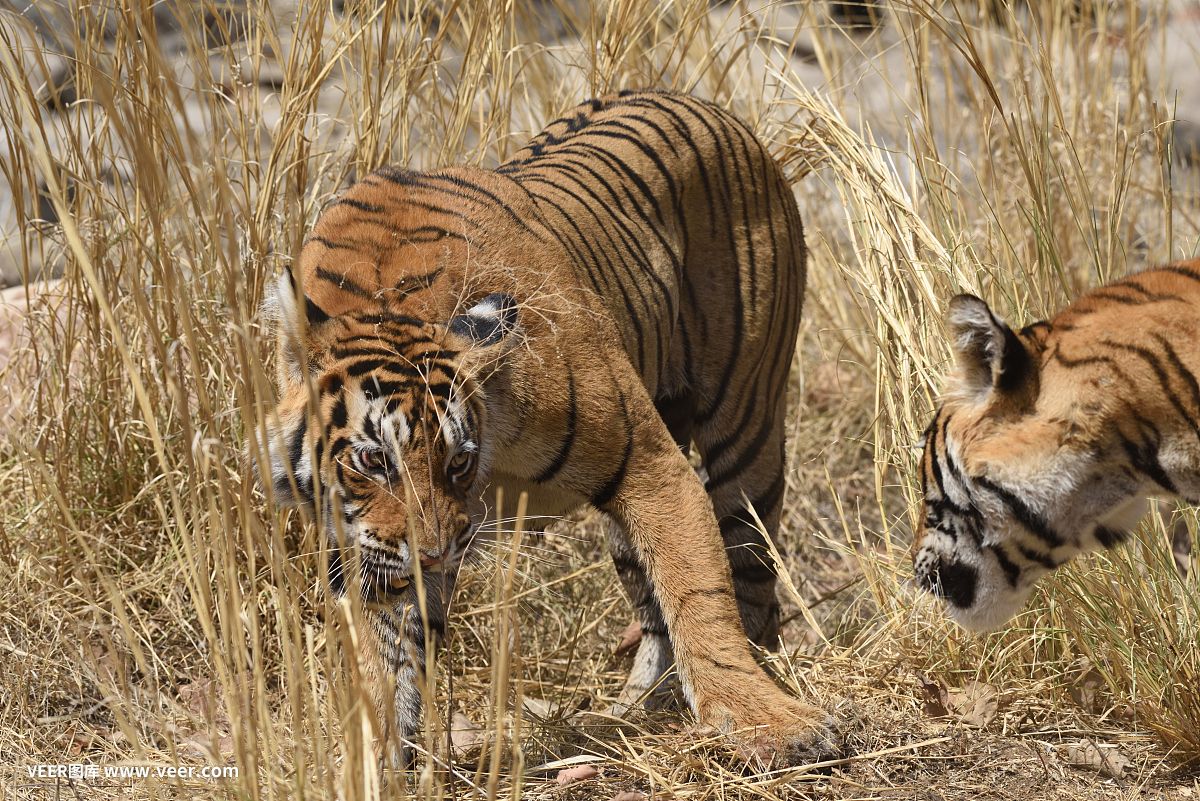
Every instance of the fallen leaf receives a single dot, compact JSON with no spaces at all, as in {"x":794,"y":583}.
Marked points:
{"x":203,"y":746}
{"x":1087,"y":754}
{"x":78,"y":743}
{"x":580,"y":773}
{"x":937,"y":700}
{"x":539,"y":708}
{"x":1089,"y":691}
{"x":975,"y":704}
{"x":631,"y":638}
{"x":466,"y":739}
{"x":629,"y":795}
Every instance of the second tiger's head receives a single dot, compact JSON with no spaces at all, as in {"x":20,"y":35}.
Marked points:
{"x":381,"y":426}
{"x":1023,"y":466}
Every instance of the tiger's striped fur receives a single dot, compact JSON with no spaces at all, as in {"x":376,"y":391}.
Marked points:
{"x":567,"y":325}
{"x":1051,"y":439}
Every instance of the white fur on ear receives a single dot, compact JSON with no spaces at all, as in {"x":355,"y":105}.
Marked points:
{"x":990,"y":356}
{"x":975,"y":329}
{"x":282,"y":306}
{"x":279,"y":302}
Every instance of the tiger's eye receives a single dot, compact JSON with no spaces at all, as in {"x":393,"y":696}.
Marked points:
{"x":372,"y":460}
{"x":460,"y":465}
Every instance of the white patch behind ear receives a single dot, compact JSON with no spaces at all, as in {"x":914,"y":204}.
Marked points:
{"x":488,"y":322}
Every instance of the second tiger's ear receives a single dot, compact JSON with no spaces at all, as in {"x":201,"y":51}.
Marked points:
{"x":489,"y":322}
{"x":992,"y":360}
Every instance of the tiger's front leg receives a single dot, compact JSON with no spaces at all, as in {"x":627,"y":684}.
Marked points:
{"x":395,"y":646}
{"x":660,"y":502}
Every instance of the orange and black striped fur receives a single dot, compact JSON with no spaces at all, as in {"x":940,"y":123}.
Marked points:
{"x":1051,"y":438}
{"x":568,"y":324}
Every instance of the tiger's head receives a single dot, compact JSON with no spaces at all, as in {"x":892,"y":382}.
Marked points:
{"x":1020,"y":470}
{"x":382,"y":427}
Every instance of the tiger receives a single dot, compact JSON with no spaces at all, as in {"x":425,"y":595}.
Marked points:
{"x":1051,"y":439}
{"x":568,"y":325}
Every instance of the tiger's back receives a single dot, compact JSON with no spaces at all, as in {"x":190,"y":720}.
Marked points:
{"x":679,"y":218}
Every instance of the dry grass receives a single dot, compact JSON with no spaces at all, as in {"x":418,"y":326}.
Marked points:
{"x":153,"y":611}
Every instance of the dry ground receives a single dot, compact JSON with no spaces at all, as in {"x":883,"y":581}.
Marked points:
{"x":152,"y":611}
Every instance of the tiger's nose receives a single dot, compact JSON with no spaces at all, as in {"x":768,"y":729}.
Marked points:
{"x":431,"y":560}
{"x":949,"y":579}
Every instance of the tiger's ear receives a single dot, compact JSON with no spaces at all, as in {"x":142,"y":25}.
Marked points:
{"x":287,"y":455}
{"x":295,"y":317}
{"x":992,"y":361}
{"x":489,"y":322}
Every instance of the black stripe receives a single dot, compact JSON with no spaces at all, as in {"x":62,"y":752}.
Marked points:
{"x":1141,"y":297}
{"x":422,"y":282}
{"x":338,"y":416}
{"x":609,"y":489}
{"x":339,"y":352}
{"x":1178,"y":269}
{"x":568,"y":441}
{"x":283,"y":483}
{"x":625,"y":564}
{"x":314,"y":313}
{"x":1110,"y":537}
{"x":1187,"y":375}
{"x":340,"y":444}
{"x":690,"y":595}
{"x":344,"y":283}
{"x":358,"y":204}
{"x":685,"y":134}
{"x":1144,"y":457}
{"x":737,"y":323}
{"x":1160,"y":372}
{"x":751,"y":450}
{"x":767,"y":504}
{"x":401,"y":321}
{"x":1027,"y":517}
{"x":1083,"y":361}
{"x":957,"y":582}
{"x":727,"y":666}
{"x":332,"y":245}
{"x":470,"y":186}
{"x":635,"y":319}
{"x":1045,"y":560}
{"x":1011,"y":571}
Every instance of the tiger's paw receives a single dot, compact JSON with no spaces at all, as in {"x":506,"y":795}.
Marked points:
{"x":791,"y":734}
